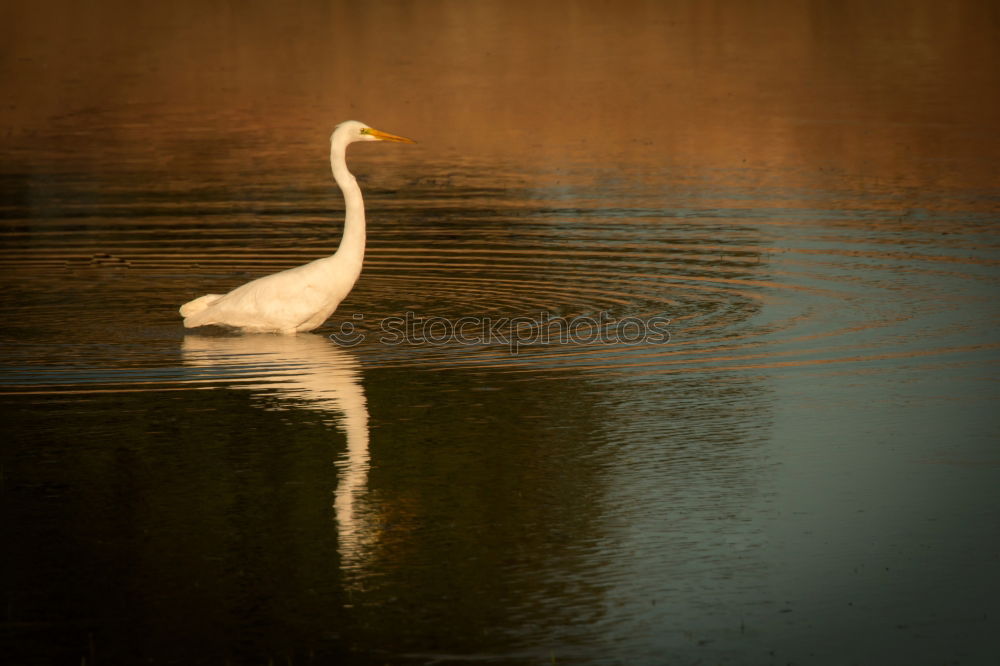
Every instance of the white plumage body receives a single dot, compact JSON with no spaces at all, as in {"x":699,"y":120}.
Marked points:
{"x":297,"y":300}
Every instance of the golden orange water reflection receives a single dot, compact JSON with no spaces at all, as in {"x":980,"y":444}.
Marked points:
{"x":900,"y":95}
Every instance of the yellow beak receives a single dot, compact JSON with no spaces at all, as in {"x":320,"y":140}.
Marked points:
{"x":385,"y":136}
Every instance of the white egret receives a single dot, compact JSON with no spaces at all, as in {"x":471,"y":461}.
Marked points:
{"x":302,"y":298}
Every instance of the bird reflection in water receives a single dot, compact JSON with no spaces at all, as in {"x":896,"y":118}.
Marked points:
{"x":308,"y":371}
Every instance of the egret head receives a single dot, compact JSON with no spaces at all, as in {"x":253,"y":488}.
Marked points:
{"x":352,"y":130}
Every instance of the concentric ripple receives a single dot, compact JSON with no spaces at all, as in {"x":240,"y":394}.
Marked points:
{"x":645,"y":281}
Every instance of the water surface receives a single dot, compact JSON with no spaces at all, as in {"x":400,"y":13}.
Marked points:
{"x":801,"y":468}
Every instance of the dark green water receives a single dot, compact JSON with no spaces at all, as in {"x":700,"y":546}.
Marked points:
{"x":802,"y":468}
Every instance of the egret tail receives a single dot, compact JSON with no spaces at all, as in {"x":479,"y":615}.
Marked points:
{"x":197,"y":305}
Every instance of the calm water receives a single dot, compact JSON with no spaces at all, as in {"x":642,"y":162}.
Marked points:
{"x":801,"y":466}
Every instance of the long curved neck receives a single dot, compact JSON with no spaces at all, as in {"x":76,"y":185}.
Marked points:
{"x":352,"y":245}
